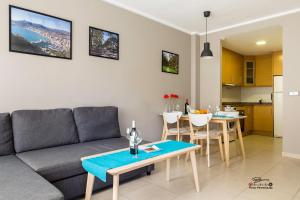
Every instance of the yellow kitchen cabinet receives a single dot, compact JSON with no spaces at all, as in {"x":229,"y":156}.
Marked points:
{"x":263,"y":71}
{"x":232,"y":67}
{"x":263,"y":120}
{"x":277,"y":63}
{"x":249,"y":71}
{"x":237,"y":69}
{"x":226,"y":67}
{"x":248,"y":126}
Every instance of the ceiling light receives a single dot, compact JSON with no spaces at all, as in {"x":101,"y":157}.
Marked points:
{"x":261,"y":42}
{"x":206,"y":53}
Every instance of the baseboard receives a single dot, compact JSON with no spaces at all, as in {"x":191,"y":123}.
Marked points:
{"x":291,"y":155}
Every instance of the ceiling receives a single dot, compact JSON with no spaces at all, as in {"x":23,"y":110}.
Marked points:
{"x":245,"y":43}
{"x":187,"y":15}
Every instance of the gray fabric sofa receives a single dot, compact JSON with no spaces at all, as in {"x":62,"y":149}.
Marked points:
{"x":40,"y":151}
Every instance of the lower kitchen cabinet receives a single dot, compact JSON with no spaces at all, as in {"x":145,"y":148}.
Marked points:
{"x":263,"y":120}
{"x":248,"y":125}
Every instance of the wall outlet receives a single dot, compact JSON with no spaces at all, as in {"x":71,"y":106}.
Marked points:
{"x":294,"y":93}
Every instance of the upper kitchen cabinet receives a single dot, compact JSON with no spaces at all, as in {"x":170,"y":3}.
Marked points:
{"x":232,"y":67}
{"x":277,"y":63}
{"x":263,"y":71}
{"x":249,"y":71}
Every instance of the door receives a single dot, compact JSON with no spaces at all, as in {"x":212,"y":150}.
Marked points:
{"x":278,"y":105}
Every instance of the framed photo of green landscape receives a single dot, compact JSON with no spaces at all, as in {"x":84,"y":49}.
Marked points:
{"x":103,"y":43}
{"x":40,"y":34}
{"x":170,"y":62}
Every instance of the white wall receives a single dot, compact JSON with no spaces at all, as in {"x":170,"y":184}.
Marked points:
{"x":210,"y":74}
{"x":195,"y":70}
{"x":135,"y":83}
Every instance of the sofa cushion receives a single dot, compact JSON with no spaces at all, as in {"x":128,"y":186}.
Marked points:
{"x":19,"y":181}
{"x":96,"y":123}
{"x":37,"y":129}
{"x":6,"y":135}
{"x":62,"y":162}
{"x":112,"y":143}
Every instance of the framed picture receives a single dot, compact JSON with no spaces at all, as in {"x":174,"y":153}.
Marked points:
{"x":170,"y":62}
{"x":103,"y":43}
{"x":36,"y":33}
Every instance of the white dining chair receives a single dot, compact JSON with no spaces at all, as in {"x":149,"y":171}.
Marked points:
{"x":198,"y":121}
{"x":178,"y":132}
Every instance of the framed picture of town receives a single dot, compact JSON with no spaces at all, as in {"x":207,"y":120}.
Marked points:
{"x":170,"y":62}
{"x":103,"y":43}
{"x":36,"y":33}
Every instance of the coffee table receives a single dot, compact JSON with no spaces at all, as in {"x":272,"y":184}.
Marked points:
{"x":116,"y":172}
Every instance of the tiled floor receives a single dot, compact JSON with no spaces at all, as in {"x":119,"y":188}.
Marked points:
{"x":263,"y":159}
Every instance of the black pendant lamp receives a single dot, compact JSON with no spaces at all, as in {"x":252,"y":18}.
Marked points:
{"x":206,"y":53}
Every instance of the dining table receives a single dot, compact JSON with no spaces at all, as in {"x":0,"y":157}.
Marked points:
{"x":223,"y":121}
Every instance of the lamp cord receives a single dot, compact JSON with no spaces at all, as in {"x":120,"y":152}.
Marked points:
{"x":206,"y":29}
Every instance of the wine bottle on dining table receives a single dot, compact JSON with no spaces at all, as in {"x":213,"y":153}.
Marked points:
{"x":186,"y":107}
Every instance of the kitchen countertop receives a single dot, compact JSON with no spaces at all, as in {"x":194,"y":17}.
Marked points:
{"x":246,"y":103}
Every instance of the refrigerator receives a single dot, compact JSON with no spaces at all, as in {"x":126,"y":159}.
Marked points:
{"x":278,"y":105}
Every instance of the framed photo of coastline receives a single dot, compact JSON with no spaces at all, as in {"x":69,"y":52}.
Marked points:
{"x":40,"y":34}
{"x":103,"y":43}
{"x":170,"y":62}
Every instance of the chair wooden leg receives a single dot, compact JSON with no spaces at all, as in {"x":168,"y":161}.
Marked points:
{"x":180,"y":138}
{"x":221,"y":148}
{"x":187,"y":157}
{"x":163,"y":135}
{"x":208,"y":152}
{"x":237,"y":144}
{"x":201,"y":150}
{"x":188,"y":154}
{"x":206,"y":149}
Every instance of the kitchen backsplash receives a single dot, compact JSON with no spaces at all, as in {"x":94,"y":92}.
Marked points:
{"x":254,"y":94}
{"x":246,"y":94}
{"x":231,"y":94}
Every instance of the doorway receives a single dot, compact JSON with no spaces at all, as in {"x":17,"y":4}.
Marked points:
{"x":252,"y":74}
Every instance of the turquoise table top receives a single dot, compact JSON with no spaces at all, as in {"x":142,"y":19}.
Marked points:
{"x":98,"y":166}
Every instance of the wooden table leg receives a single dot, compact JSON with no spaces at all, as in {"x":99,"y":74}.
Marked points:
{"x":236,"y":138}
{"x":226,"y":143}
{"x":168,"y":169}
{"x":195,"y":171}
{"x":116,"y":187}
{"x":238,"y":127}
{"x":89,"y":186}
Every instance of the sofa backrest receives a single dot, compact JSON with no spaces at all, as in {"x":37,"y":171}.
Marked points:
{"x":96,"y":123}
{"x":37,"y":129}
{"x":6,"y":135}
